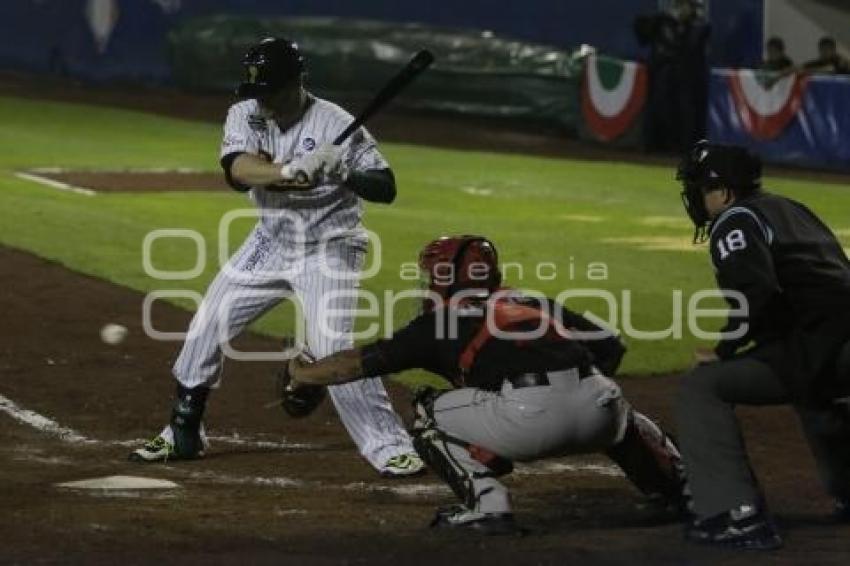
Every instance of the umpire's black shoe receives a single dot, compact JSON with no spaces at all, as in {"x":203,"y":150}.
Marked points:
{"x":746,"y":527}
{"x":460,"y":517}
{"x":842,"y":510}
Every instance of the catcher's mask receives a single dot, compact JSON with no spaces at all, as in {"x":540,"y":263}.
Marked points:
{"x":459,"y":263}
{"x":270,"y":66}
{"x":710,"y":167}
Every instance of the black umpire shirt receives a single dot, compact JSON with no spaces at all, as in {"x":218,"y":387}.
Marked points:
{"x":427,"y":342}
{"x":796,"y":279}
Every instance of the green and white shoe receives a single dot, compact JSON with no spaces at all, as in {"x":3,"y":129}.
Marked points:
{"x":158,"y":449}
{"x":403,"y":465}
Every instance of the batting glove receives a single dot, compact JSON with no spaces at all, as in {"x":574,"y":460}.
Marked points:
{"x":334,"y":168}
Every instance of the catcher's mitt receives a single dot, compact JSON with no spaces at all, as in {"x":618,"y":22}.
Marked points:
{"x":298,"y":402}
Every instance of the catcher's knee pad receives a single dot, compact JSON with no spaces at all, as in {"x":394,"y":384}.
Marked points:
{"x":423,"y":406}
{"x":650,"y":459}
{"x":186,"y":417}
{"x":495,"y":464}
{"x":432,"y":447}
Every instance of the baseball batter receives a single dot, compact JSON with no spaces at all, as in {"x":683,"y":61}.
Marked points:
{"x":308,"y":246}
{"x":526,"y":387}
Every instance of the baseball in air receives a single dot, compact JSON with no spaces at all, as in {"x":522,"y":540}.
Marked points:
{"x":113,"y":333}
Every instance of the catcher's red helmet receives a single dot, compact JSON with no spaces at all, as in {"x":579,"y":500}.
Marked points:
{"x":454,"y":263}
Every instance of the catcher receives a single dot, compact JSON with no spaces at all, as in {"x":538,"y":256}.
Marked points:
{"x":526,"y":388}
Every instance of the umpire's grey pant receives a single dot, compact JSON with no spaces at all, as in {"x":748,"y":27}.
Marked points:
{"x":713,"y":449}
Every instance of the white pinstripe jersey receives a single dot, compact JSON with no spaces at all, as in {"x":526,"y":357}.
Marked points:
{"x":323,"y":211}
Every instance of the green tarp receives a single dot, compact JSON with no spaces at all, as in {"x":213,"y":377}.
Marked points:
{"x":475,"y":72}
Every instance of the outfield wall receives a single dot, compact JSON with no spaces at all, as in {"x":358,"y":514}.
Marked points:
{"x":477,"y":72}
{"x":125,"y":39}
{"x":797,"y":119}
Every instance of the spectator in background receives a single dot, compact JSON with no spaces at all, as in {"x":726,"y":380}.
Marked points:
{"x":775,"y":57}
{"x":828,"y":61}
{"x":678,"y":76}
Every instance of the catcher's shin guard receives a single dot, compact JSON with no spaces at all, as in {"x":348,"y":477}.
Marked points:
{"x":431,"y":446}
{"x":651,"y":460}
{"x":186,"y":421}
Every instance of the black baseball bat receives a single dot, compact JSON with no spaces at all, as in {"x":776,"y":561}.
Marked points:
{"x":421,"y":61}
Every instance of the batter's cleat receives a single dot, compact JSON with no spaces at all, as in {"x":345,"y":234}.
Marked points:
{"x":460,"y":517}
{"x":745,"y":527}
{"x":403,"y":465}
{"x":158,"y":449}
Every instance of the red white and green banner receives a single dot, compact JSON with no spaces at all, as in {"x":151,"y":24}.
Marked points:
{"x":804,"y":120}
{"x":766,"y":105}
{"x":613,"y":94}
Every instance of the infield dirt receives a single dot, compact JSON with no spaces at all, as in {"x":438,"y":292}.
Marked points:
{"x":277,"y":490}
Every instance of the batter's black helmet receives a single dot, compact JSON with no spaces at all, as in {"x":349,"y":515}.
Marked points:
{"x":269,"y":66}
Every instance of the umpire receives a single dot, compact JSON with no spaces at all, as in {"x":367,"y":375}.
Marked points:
{"x":792,"y":346}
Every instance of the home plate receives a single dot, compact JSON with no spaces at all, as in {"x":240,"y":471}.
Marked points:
{"x":119,"y":483}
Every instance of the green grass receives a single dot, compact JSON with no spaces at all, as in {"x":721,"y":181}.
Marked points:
{"x":564,"y":212}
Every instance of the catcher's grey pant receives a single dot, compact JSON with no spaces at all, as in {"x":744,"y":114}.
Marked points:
{"x":261,"y":274}
{"x":713,"y":449}
{"x":569,"y":416}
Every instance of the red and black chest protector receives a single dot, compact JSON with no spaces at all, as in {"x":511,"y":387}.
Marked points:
{"x":506,"y":314}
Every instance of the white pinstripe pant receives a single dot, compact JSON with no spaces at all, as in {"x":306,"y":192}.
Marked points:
{"x":259,"y":276}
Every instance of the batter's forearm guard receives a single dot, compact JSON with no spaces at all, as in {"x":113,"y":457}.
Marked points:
{"x":375,"y":186}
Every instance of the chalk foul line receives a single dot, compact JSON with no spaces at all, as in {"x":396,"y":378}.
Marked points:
{"x":42,"y":423}
{"x":50,"y":427}
{"x":54,"y":184}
